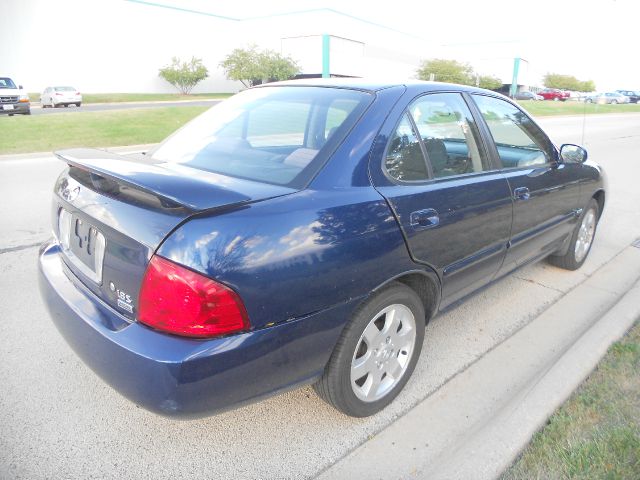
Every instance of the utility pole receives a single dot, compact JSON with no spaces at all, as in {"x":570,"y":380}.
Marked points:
{"x":514,"y":80}
{"x":326,"y":63}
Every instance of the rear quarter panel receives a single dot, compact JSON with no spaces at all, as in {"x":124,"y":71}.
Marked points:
{"x":291,"y":256}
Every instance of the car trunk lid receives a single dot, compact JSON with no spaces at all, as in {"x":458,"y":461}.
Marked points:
{"x":110,"y":213}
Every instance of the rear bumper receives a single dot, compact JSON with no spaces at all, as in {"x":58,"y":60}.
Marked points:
{"x":182,"y":377}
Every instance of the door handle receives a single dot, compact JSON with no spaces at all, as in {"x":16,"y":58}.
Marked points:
{"x":521,"y":193}
{"x":427,"y":218}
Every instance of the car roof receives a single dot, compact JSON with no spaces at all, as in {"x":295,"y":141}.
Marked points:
{"x":372,"y":85}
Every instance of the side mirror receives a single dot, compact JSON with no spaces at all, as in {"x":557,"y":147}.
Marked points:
{"x":20,"y":87}
{"x":570,"y":153}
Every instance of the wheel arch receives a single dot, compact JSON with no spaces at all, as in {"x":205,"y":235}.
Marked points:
{"x":599,"y":196}
{"x":425,"y":283}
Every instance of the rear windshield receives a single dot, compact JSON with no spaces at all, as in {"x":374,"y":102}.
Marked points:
{"x":6,"y":82}
{"x":278,"y":135}
{"x":64,"y":89}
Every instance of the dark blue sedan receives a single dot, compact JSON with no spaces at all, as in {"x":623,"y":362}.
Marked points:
{"x":304,"y":232}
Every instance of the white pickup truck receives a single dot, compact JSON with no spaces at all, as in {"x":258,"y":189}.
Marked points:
{"x":12,"y":98}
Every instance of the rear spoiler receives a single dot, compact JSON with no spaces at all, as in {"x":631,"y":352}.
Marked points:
{"x":174,"y":185}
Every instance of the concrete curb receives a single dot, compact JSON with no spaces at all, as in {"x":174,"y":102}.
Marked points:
{"x":477,"y":423}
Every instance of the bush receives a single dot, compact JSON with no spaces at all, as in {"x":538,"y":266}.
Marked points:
{"x":184,"y":75}
{"x":450,"y":71}
{"x":252,"y":67}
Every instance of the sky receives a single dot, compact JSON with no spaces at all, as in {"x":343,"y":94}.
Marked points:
{"x":595,"y":40}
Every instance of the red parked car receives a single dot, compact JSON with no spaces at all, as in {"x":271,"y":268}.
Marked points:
{"x":554,"y":94}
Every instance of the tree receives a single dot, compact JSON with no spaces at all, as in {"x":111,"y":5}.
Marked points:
{"x":251,"y":67}
{"x":444,"y":70}
{"x":277,"y":67}
{"x":567,"y":82}
{"x":243,"y":65}
{"x":587,"y":86}
{"x":184,"y":75}
{"x":489,"y":82}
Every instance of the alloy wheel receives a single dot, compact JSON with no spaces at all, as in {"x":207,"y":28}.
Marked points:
{"x":585,"y":235}
{"x":383,"y":353}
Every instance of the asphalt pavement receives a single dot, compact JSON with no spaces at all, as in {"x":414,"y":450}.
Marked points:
{"x":58,"y":420}
{"x":99,"y":107}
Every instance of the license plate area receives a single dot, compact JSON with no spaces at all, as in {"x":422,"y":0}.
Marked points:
{"x":83,"y":244}
{"x":7,"y":107}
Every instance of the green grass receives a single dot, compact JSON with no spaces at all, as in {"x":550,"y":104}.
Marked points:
{"x":41,"y":133}
{"x":139,"y":97}
{"x":546,"y":108}
{"x":38,"y":133}
{"x":596,"y":434}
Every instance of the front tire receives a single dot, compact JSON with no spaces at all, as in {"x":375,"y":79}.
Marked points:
{"x":581,"y":239}
{"x":376,"y":353}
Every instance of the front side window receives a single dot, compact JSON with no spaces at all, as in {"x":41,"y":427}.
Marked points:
{"x":450,"y":137}
{"x":520,"y":143}
{"x":270,"y":134}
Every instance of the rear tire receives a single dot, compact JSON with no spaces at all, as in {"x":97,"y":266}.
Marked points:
{"x":78,"y":104}
{"x":376,"y":353}
{"x":581,"y":239}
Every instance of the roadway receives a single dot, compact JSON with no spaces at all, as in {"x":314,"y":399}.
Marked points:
{"x":58,"y":420}
{"x":100,"y":107}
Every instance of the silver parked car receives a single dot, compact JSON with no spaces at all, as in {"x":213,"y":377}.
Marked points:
{"x":60,"y":97}
{"x":606,"y":98}
{"x":528,"y":96}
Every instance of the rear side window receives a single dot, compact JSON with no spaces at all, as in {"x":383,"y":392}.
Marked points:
{"x":278,"y":135}
{"x":519,"y":141}
{"x":404,"y":160}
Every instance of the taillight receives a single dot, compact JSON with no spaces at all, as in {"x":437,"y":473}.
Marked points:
{"x":177,"y":300}
{"x":77,"y":93}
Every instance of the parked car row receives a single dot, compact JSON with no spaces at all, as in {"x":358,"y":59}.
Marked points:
{"x":616,"y":97}
{"x":14,"y":100}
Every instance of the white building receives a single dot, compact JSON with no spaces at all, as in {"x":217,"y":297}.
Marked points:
{"x":119,"y":45}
